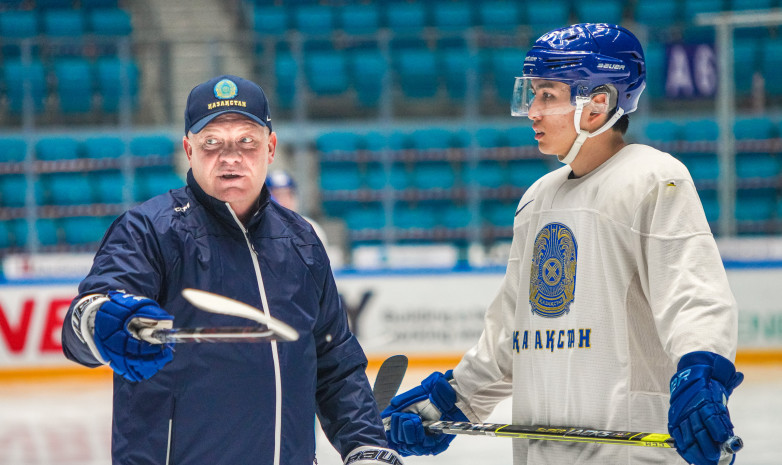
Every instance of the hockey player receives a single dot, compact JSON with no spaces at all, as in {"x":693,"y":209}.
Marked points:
{"x":615,"y":310}
{"x":237,"y":403}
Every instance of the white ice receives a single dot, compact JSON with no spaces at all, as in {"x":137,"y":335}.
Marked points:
{"x":66,"y":422}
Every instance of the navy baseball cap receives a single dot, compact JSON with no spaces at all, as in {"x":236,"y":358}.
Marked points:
{"x":226,"y":94}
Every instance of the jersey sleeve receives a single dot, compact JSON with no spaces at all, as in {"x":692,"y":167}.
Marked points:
{"x":128,"y":259}
{"x":683,"y":277}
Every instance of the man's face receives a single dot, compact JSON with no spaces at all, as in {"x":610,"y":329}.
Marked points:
{"x":552,"y":117}
{"x":230,"y":158}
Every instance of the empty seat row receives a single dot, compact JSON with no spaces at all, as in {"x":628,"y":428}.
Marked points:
{"x":80,"y":230}
{"x":76,"y":81}
{"x":53,"y":148}
{"x":25,"y":24}
{"x":95,"y":187}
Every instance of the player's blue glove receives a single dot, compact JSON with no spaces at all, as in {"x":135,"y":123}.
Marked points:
{"x":115,"y":324}
{"x":434,"y":399}
{"x":698,"y":419}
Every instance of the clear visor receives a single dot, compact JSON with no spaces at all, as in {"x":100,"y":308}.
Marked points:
{"x":541,"y":97}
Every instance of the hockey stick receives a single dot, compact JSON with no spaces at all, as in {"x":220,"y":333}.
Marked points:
{"x":272,"y":329}
{"x":389,"y":378}
{"x":569,"y":434}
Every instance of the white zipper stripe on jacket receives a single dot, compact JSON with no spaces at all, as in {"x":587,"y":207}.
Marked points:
{"x":275,"y":355}
{"x":168,"y":450}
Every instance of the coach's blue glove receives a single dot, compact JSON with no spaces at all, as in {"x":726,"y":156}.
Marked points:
{"x":434,"y":399}
{"x":698,"y":419}
{"x":116,"y":322}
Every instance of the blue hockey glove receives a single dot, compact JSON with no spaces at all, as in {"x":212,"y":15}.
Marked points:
{"x":115,"y":324}
{"x":434,"y":399}
{"x":698,"y":419}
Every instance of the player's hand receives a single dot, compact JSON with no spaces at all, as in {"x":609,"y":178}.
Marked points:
{"x":434,"y":399}
{"x":698,"y":419}
{"x":116,"y":324}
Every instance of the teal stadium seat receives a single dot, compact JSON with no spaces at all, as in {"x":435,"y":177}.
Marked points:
{"x":413,"y":217}
{"x":327,"y":72}
{"x":48,"y":231}
{"x":375,"y":177}
{"x":314,"y":20}
{"x":153,"y":181}
{"x":406,"y":18}
{"x":82,"y":230}
{"x":339,"y":176}
{"x":546,"y":16}
{"x":523,"y":173}
{"x":66,"y":189}
{"x":370,"y":216}
{"x":74,"y":85}
{"x":506,"y":66}
{"x":16,"y":25}
{"x":755,"y":164}
{"x":270,"y":21}
{"x":18,"y":229}
{"x":520,"y":136}
{"x":157,"y":145}
{"x":691,"y":8}
{"x":14,"y":149}
{"x":110,"y":21}
{"x":57,"y":148}
{"x":703,"y":165}
{"x":455,"y":216}
{"x":111,"y":84}
{"x":367,"y":68}
{"x":740,"y":5}
{"x":14,"y":75}
{"x":108,"y":186}
{"x":745,"y":62}
{"x":452,"y":16}
{"x":345,"y":142}
{"x":754,"y":205}
{"x":711,"y":204}
{"x":433,"y":175}
{"x":361,"y":19}
{"x":93,"y":4}
{"x":54,"y":4}
{"x":499,"y":214}
{"x":285,"y":72}
{"x":418,"y":72}
{"x":103,"y":147}
{"x":13,"y":189}
{"x":454,"y":63}
{"x":659,"y":14}
{"x":599,"y":11}
{"x":63,"y":23}
{"x":487,"y":173}
{"x":654,"y":54}
{"x":490,"y":138}
{"x":657,"y":131}
{"x":499,"y":16}
{"x":770,"y":64}
{"x":431,"y":139}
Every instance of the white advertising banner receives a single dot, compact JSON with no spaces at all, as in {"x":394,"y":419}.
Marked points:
{"x":435,"y":313}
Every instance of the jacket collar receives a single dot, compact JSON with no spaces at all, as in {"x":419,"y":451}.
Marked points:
{"x":219,"y":208}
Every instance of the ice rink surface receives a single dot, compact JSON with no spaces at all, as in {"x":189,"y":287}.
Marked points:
{"x":67,"y":422}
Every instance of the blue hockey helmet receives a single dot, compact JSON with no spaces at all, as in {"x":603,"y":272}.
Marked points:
{"x":591,"y":58}
{"x":279,"y":179}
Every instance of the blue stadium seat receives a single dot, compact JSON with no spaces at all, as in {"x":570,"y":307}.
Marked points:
{"x":103,"y":147}
{"x":711,"y":204}
{"x":654,"y":53}
{"x":150,"y":182}
{"x":314,"y":20}
{"x":338,"y":142}
{"x":599,"y":11}
{"x":14,"y":75}
{"x":455,"y":216}
{"x":488,"y":173}
{"x":452,"y":16}
{"x":375,"y":177}
{"x":6,"y":239}
{"x":108,"y":186}
{"x":14,"y":149}
{"x":15,"y":25}
{"x":57,"y":148}
{"x":490,"y":138}
{"x":370,"y":216}
{"x":13,"y":189}
{"x":506,"y":65}
{"x":270,"y":20}
{"x":339,"y":176}
{"x":433,"y":175}
{"x":770,"y":64}
{"x":523,"y":173}
{"x":454,"y":64}
{"x":499,"y":214}
{"x":431,"y":139}
{"x":92,"y":4}
{"x":701,"y":130}
{"x":499,"y":16}
{"x":327,"y":72}
{"x":755,"y":204}
{"x":406,"y":18}
{"x":413,"y":217}
{"x":361,"y":19}
{"x":63,"y":23}
{"x":82,"y":230}
{"x":745,"y":62}
{"x":691,"y":8}
{"x":703,"y":166}
{"x":66,"y":189}
{"x":74,"y":85}
{"x":54,"y":4}
{"x":739,"y":5}
{"x":658,"y":14}
{"x":110,"y":22}
{"x":367,"y":69}
{"x":756,"y":165}
{"x":417,"y":71}
{"x":521,"y":136}
{"x":662,"y":131}
{"x":546,"y":16}
{"x":285,"y":72}
{"x":159,"y":145}
{"x":48,"y":231}
{"x":111,"y":84}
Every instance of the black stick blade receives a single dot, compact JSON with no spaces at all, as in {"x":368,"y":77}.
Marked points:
{"x":389,"y":378}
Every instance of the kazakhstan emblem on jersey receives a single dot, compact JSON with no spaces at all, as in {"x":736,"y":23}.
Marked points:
{"x":553,"y":274}
{"x":225,"y":89}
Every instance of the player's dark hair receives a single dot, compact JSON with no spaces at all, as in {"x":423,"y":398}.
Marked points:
{"x":621,"y":124}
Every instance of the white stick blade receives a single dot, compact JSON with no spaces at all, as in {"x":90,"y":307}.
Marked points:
{"x":215,"y":303}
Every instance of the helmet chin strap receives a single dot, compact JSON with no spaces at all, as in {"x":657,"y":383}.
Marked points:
{"x":583,"y":134}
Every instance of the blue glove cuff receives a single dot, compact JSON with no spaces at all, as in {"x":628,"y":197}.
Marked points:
{"x":709,"y":365}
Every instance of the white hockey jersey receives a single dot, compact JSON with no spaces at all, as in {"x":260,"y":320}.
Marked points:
{"x":612,"y":278}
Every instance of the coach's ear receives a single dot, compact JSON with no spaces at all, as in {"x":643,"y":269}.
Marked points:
{"x":188,"y":148}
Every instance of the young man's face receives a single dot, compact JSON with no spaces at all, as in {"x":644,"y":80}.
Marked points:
{"x":230,"y":158}
{"x":552,"y":117}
